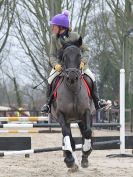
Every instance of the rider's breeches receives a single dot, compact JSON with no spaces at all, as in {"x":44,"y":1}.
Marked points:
{"x":52,"y":75}
{"x":55,"y":73}
{"x":90,"y":74}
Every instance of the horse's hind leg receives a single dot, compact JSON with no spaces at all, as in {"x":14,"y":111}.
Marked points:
{"x":69,"y":159}
{"x":85,"y":128}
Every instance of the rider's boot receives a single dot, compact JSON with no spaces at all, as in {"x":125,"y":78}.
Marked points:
{"x":46,"y":107}
{"x":99,"y":104}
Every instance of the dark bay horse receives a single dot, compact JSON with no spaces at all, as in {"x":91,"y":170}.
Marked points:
{"x":73,"y":104}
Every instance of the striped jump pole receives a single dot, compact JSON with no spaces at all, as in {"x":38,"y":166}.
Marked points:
{"x":51,"y":149}
{"x":26,"y":131}
{"x":31,"y":119}
{"x":53,"y":125}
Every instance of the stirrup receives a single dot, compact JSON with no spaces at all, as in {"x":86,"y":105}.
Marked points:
{"x":103,"y":105}
{"x":45,"y":108}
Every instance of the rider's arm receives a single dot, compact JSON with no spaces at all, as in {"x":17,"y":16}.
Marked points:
{"x":85,"y":53}
{"x":53,"y":51}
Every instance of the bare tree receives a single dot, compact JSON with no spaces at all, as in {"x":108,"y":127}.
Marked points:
{"x":123,"y":14}
{"x":12,"y":77}
{"x":33,"y":30}
{"x":7,"y":9}
{"x":105,"y":39}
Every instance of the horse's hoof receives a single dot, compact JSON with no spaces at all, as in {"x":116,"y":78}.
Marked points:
{"x":75,"y":168}
{"x":84,"y":163}
{"x":70,"y":162}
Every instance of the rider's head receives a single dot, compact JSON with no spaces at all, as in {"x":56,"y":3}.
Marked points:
{"x":60,"y":22}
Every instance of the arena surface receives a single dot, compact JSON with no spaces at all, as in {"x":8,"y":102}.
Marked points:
{"x":51,"y":164}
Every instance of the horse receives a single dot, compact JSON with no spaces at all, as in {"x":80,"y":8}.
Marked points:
{"x":72,"y":104}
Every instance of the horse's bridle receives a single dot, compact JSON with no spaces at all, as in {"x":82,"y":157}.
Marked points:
{"x":78,"y":75}
{"x":76,"y":71}
{"x":66,"y":72}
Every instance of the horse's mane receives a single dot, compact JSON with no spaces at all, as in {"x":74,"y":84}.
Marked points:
{"x":76,"y":43}
{"x":65,"y":44}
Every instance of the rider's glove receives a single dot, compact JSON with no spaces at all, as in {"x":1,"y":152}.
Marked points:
{"x":58,"y":67}
{"x":82,"y":65}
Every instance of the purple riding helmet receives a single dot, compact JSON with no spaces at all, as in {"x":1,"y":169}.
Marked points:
{"x":61,"y":19}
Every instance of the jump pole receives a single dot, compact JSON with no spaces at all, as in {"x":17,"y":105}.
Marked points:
{"x":53,"y":125}
{"x":32,"y":151}
{"x":23,"y":119}
{"x":28,"y":131}
{"x":51,"y":149}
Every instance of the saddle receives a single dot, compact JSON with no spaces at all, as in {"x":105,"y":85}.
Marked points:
{"x":54,"y":86}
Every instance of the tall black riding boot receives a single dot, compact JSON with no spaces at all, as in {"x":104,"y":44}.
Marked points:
{"x":46,"y":107}
{"x":94,"y":94}
{"x":99,"y":104}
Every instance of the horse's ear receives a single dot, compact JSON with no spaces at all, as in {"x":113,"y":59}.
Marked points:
{"x":78,"y":43}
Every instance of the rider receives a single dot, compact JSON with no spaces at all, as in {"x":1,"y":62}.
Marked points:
{"x":61,"y":29}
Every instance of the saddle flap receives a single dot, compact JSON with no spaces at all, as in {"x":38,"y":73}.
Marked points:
{"x":57,"y":85}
